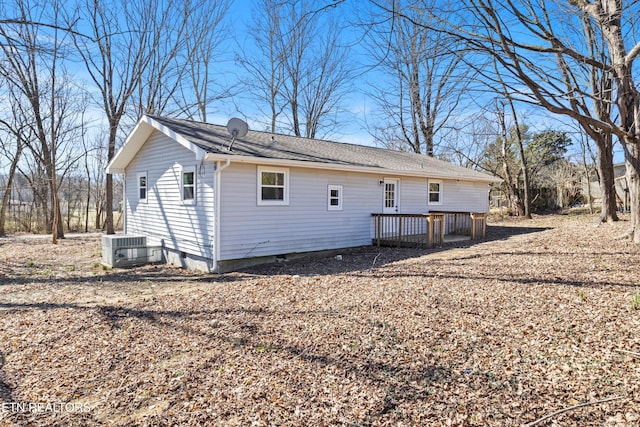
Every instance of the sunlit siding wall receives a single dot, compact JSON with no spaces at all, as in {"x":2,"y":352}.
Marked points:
{"x":164,"y":216}
{"x":306,"y":224}
{"x":463,"y":196}
{"x":412,"y":196}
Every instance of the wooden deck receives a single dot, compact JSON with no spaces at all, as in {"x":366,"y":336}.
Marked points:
{"x":427,"y":230}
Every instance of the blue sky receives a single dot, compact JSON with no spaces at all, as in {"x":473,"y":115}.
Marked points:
{"x":356,"y":105}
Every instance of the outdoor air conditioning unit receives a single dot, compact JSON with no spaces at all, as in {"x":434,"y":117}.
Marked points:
{"x":124,"y":251}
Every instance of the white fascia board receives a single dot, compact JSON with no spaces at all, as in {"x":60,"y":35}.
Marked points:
{"x":347,"y":168}
{"x":136,"y":139}
{"x":133,"y":143}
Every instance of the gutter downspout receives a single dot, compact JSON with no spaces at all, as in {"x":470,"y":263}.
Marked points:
{"x":216,"y":207}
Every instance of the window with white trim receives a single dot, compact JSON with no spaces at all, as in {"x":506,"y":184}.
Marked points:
{"x":142,"y":186}
{"x":273,"y":186}
{"x":334,"y":194}
{"x":435,"y":192}
{"x":188,"y":185}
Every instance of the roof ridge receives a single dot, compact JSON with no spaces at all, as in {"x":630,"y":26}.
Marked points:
{"x":303,"y":138}
{"x":259,"y":146}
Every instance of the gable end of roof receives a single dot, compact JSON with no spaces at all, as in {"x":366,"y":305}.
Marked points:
{"x":139,"y":136}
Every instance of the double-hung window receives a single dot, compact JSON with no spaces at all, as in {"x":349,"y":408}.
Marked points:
{"x":435,"y":192}
{"x":188,"y":186}
{"x":273,"y":186}
{"x":142,"y":186}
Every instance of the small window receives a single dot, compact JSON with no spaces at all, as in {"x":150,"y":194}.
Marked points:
{"x":188,"y":186}
{"x":435,"y":192}
{"x":142,"y":186}
{"x":335,"y":198}
{"x":273,"y":186}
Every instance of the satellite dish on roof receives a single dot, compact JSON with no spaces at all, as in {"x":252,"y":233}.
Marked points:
{"x":237,"y":128}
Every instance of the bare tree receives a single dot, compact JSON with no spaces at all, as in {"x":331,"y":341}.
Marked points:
{"x":325,"y":83}
{"x":587,"y":159}
{"x":609,"y":18}
{"x":184,"y":45}
{"x":205,"y":35}
{"x":426,"y":78}
{"x":265,"y":66}
{"x":34,"y":175}
{"x":33,"y":64}
{"x":525,"y":39}
{"x":99,"y":178}
{"x":597,"y":102}
{"x":508,"y":167}
{"x":14,"y":132}
{"x":116,"y":55}
{"x":559,"y":67}
{"x":466,"y":144}
{"x":300,"y":71}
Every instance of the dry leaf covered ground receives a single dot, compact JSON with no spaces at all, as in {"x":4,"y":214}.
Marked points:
{"x":537,"y":318}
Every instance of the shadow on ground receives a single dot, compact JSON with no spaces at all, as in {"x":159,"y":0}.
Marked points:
{"x":366,"y":257}
{"x":351,"y":259}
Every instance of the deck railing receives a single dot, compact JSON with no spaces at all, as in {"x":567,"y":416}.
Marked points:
{"x":473,"y":224}
{"x":426,"y":230}
{"x":478,"y":225}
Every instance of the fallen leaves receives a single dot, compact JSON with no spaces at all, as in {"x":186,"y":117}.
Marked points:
{"x":534,"y":320}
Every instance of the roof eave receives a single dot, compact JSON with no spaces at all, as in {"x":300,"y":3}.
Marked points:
{"x":341,"y":167}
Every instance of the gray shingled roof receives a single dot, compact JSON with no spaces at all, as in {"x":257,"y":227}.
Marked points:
{"x":215,"y":139}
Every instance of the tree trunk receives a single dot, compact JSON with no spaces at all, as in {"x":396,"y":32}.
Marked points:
{"x":6,"y":197}
{"x":527,"y":189}
{"x":111,"y":151}
{"x":607,"y":179}
{"x":633,"y":181}
{"x":57,"y":231}
{"x":86,"y":209}
{"x":517,"y":206}
{"x":109,"y":206}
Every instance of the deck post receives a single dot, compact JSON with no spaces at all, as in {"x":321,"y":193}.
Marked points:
{"x":473,"y":225}
{"x":481,"y":230}
{"x":484,"y":225}
{"x":426,"y":231}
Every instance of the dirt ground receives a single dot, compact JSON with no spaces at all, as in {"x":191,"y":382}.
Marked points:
{"x":538,"y":324}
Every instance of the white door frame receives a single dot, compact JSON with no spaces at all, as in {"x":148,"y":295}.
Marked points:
{"x":390,"y":196}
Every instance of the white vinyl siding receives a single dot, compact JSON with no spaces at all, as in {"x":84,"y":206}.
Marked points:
{"x":464,"y":196}
{"x":306,"y":224}
{"x":164,"y":217}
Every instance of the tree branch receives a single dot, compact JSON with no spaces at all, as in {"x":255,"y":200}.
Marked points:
{"x":571,"y":408}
